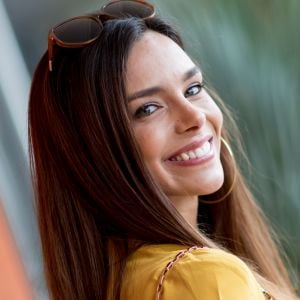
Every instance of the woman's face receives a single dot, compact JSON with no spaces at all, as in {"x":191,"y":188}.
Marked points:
{"x":176,"y":123}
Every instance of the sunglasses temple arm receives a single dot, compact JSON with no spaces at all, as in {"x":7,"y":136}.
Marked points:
{"x":50,"y":65}
{"x":50,"y":51}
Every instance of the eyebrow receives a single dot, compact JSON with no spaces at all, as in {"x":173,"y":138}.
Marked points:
{"x":144,"y":93}
{"x":157,"y":89}
{"x":190,"y":73}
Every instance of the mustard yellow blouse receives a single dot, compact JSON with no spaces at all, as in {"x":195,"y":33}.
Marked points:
{"x":175,"y":272}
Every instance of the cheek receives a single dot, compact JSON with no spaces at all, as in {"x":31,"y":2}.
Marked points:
{"x":218,"y":116}
{"x":150,"y":142}
{"x":215,"y":116}
{"x":217,"y":123}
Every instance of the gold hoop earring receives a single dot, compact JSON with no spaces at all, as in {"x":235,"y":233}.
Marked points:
{"x":233,"y":181}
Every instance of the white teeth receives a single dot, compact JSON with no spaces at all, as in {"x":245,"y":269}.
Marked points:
{"x":185,"y":156}
{"x":192,"y":155}
{"x":197,"y":153}
{"x":178,"y":158}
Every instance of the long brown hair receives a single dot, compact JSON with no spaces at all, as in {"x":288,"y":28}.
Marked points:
{"x":96,"y":201}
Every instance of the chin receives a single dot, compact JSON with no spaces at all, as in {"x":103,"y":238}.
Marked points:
{"x":213,"y":184}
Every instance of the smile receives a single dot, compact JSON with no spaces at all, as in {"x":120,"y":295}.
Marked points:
{"x":193,"y":154}
{"x":196,"y":153}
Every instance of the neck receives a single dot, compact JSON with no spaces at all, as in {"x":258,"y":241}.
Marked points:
{"x":187,"y":207}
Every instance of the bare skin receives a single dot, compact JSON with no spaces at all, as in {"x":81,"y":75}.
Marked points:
{"x":175,"y":121}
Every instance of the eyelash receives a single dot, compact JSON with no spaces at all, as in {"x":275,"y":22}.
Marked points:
{"x":141,"y":111}
{"x":199,"y":85}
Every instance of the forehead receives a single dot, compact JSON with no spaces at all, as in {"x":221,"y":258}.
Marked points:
{"x":154,"y":60}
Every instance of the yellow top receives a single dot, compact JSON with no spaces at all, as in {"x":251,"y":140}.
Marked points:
{"x":201,"y":273}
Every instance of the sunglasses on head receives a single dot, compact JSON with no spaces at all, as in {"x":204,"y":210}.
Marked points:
{"x":81,"y":31}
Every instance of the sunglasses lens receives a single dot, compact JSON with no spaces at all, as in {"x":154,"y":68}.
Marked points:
{"x":78,"y":30}
{"x":129,"y":8}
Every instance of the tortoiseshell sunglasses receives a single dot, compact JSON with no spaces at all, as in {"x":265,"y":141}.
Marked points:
{"x":81,"y":31}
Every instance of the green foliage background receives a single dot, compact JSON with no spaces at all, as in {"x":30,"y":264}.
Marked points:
{"x":250,"y":51}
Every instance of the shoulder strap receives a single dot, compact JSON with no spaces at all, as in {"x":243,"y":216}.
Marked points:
{"x":172,"y":262}
{"x":169,"y":265}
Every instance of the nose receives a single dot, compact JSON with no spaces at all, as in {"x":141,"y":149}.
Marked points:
{"x":189,"y":117}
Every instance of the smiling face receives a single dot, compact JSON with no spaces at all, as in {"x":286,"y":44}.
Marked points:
{"x":176,"y":123}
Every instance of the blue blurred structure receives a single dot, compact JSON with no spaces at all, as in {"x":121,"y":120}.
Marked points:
{"x":15,"y":184}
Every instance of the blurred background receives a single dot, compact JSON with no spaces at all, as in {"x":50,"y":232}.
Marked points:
{"x":250,"y":51}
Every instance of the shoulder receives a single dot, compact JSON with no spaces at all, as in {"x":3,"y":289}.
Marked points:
{"x":198,"y":273}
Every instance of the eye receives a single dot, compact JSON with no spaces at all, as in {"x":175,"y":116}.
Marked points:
{"x":146,"y":110}
{"x":194,"y":89}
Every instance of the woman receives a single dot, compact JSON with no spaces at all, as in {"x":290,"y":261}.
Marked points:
{"x":128,"y":147}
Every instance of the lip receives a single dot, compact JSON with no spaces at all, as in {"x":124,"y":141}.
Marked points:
{"x":192,"y":146}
